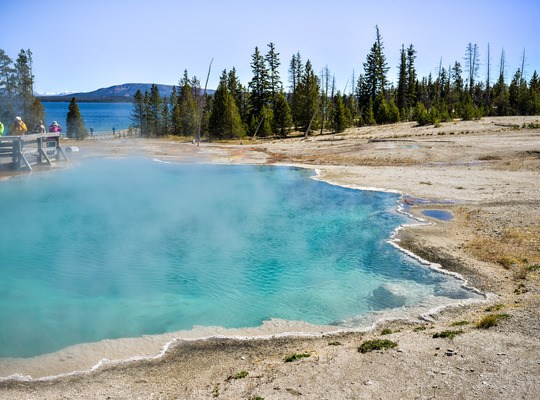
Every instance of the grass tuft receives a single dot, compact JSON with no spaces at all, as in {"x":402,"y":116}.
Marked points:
{"x":241,"y":375}
{"x":334,"y":344}
{"x":490,"y":320}
{"x":296,"y":357}
{"x":450,"y":334}
{"x":376,"y":344}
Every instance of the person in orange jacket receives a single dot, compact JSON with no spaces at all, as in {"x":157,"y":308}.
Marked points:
{"x":18,"y":127}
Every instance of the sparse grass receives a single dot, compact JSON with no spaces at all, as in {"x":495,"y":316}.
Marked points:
{"x":507,"y":261}
{"x":531,"y":125}
{"x":386,"y":331}
{"x":376,"y":344}
{"x":256,"y":398}
{"x":460,"y":323}
{"x":296,"y":357}
{"x":534,"y":267}
{"x":513,"y":248}
{"x":334,"y":344}
{"x":450,"y":334}
{"x":487,"y":322}
{"x":419,"y":328}
{"x":215,"y":391}
{"x":239,"y":375}
{"x":496,"y":307}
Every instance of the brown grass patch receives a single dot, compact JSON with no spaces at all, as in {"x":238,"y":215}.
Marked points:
{"x":514,"y":248}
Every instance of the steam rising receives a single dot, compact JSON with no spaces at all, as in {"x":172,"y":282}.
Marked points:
{"x":122,"y":248}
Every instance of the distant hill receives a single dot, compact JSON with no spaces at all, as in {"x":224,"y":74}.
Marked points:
{"x":118,"y":93}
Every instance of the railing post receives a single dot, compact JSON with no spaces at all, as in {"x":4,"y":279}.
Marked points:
{"x":39,"y":148}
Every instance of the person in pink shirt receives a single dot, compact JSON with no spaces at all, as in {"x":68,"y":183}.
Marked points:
{"x":55,"y":127}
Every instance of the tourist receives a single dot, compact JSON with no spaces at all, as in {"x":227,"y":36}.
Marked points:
{"x":39,"y":127}
{"x":55,"y":128}
{"x":1,"y":128}
{"x":18,"y":127}
{"x":91,"y":132}
{"x":113,"y":131}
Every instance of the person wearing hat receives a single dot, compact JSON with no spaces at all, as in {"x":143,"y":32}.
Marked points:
{"x":55,"y":127}
{"x":18,"y":127}
{"x":39,"y":127}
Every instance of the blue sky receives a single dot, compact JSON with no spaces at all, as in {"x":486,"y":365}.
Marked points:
{"x":85,"y":45}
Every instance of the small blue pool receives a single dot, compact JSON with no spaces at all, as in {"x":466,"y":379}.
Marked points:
{"x":438,"y":214}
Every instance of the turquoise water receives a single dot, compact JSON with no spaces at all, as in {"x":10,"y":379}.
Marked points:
{"x":101,"y":116}
{"x":122,"y":248}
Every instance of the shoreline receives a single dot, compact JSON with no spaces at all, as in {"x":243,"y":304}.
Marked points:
{"x":491,"y":173}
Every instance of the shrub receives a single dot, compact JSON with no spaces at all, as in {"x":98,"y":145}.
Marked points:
{"x":376,"y":344}
{"x":450,"y":334}
{"x":241,"y":375}
{"x":296,"y":357}
{"x":490,"y":320}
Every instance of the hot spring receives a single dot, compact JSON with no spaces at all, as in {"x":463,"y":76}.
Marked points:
{"x":129,"y":247}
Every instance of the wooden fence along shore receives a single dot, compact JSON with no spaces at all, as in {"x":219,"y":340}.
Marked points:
{"x":27,"y":150}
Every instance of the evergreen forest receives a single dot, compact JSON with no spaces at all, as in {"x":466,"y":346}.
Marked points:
{"x":267,"y":107}
{"x":308,"y":101}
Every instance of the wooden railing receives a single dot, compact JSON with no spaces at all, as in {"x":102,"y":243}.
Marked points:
{"x":28,"y":150}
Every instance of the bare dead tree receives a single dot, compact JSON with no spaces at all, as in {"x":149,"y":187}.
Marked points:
{"x":325,"y":75}
{"x":201,"y":104}
{"x":472,"y":63}
{"x":522,"y":65}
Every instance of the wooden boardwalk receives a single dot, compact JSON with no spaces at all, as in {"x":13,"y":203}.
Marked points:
{"x":35,"y":149}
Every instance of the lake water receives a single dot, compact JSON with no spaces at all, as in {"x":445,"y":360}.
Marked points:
{"x":129,"y":247}
{"x":101,"y":116}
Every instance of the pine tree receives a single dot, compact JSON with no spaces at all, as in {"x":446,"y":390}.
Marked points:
{"x":369,"y":117}
{"x":411,"y":78}
{"x":456,"y":90}
{"x":376,"y":68}
{"x":393,"y":112}
{"x":308,"y":98}
{"x":74,"y":122}
{"x":534,"y":95}
{"x":518,"y":94}
{"x":282,"y":115}
{"x":188,"y":110}
{"x":259,"y":86}
{"x":165,"y":117}
{"x":224,"y":120}
{"x":402,"y":80}
{"x":296,"y":71}
{"x":7,"y":87}
{"x":500,"y":91}
{"x":363,"y":96}
{"x":338,"y":119}
{"x":24,"y":84}
{"x":137,"y":114}
{"x":36,"y":113}
{"x":239,"y":94}
{"x":275,"y":86}
{"x":154,"y":111}
{"x":381,"y":109}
